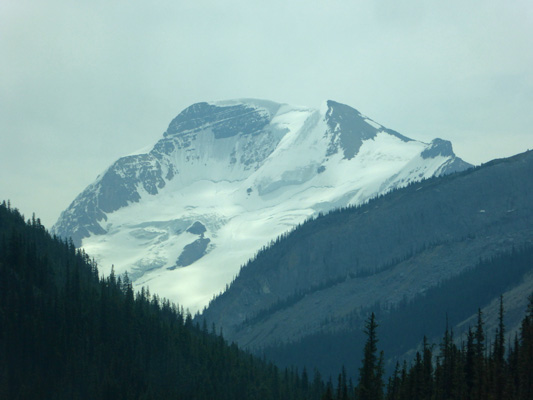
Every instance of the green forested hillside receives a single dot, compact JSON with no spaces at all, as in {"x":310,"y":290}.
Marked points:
{"x":65,"y":333}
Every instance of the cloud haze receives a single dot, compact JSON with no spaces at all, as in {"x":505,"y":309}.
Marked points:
{"x":83,"y":83}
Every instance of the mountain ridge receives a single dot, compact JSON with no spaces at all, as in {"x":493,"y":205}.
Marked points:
{"x":385,"y":251}
{"x":247,"y":170}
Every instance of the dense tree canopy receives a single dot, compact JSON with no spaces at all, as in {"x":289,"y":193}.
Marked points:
{"x":66,"y":333}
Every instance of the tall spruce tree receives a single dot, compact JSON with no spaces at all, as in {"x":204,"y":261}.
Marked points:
{"x":498,"y":360}
{"x":478,"y":391}
{"x":370,"y":386}
{"x":525,"y":354}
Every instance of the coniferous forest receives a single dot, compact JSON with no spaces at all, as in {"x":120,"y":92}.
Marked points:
{"x":67,"y":333}
{"x":479,"y":368}
{"x":404,"y":324}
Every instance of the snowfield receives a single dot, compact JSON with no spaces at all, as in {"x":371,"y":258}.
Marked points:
{"x":181,"y":218}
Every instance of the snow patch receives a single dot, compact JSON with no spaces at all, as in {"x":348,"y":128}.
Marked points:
{"x":228,"y":197}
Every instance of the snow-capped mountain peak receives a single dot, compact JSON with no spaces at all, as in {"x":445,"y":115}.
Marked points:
{"x":228,"y":177}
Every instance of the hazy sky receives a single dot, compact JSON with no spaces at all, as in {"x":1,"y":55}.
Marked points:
{"x":83,"y":83}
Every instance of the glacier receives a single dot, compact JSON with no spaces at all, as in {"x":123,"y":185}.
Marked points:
{"x":229,"y":177}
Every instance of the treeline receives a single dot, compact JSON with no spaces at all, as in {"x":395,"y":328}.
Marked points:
{"x":66,"y":333}
{"x":477,"y":369}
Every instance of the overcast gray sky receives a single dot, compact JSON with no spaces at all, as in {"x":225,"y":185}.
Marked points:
{"x":85,"y":82}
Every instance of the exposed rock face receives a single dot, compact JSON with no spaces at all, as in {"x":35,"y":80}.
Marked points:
{"x":246,"y":171}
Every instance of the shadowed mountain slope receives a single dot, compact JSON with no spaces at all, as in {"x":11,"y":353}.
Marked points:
{"x":327,"y":273}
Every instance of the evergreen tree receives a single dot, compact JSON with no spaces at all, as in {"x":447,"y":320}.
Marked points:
{"x":525,"y":356}
{"x":479,"y":384}
{"x":370,"y":386}
{"x":469,"y":368}
{"x":427,"y":371}
{"x":393,"y":386}
{"x":498,"y":358}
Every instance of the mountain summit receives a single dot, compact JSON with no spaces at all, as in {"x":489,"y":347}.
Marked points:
{"x":229,"y":177}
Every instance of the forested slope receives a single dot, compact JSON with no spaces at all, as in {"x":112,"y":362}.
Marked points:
{"x":326,"y":275}
{"x":65,"y":333}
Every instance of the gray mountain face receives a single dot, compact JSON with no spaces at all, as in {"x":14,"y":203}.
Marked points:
{"x":228,"y":177}
{"x":224,"y":121}
{"x":351,"y":128}
{"x":121,"y":184}
{"x":388,"y":251}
